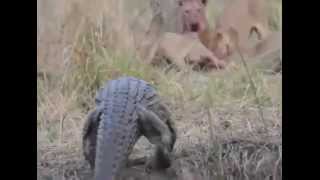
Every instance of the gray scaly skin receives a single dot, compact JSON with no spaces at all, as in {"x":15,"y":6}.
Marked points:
{"x":126,"y":108}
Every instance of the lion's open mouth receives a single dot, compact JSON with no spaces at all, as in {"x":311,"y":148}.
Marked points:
{"x":194,"y":27}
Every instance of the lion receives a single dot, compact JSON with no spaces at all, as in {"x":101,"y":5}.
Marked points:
{"x":180,"y":50}
{"x":222,"y":45}
{"x":272,"y":42}
{"x":239,"y":20}
{"x":177,"y":16}
{"x":269,"y":51}
{"x":191,"y":16}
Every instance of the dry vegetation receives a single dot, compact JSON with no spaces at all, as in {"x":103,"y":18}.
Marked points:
{"x":221,"y":133}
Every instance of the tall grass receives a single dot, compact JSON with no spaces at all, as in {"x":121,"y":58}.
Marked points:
{"x":82,"y":44}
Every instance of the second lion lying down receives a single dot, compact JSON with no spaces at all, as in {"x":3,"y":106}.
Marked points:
{"x":181,"y":50}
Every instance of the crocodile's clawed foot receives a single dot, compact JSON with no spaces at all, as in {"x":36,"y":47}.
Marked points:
{"x":149,"y":166}
{"x":137,"y":161}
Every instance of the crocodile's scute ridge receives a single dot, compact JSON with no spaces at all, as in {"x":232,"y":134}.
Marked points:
{"x":118,"y":128}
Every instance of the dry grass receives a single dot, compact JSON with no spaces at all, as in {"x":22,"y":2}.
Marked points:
{"x":83,"y":44}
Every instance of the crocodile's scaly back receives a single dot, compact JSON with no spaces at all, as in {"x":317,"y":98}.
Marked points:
{"x":118,"y":129}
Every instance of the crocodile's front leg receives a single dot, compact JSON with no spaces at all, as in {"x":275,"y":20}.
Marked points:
{"x":90,"y":137}
{"x":163,"y":140}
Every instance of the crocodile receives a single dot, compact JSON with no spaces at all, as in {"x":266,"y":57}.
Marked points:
{"x":126,"y":109}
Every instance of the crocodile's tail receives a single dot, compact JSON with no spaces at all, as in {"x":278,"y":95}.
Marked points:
{"x":118,"y":129}
{"x":110,"y":152}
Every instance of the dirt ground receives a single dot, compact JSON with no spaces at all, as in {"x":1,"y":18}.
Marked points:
{"x":231,"y":153}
